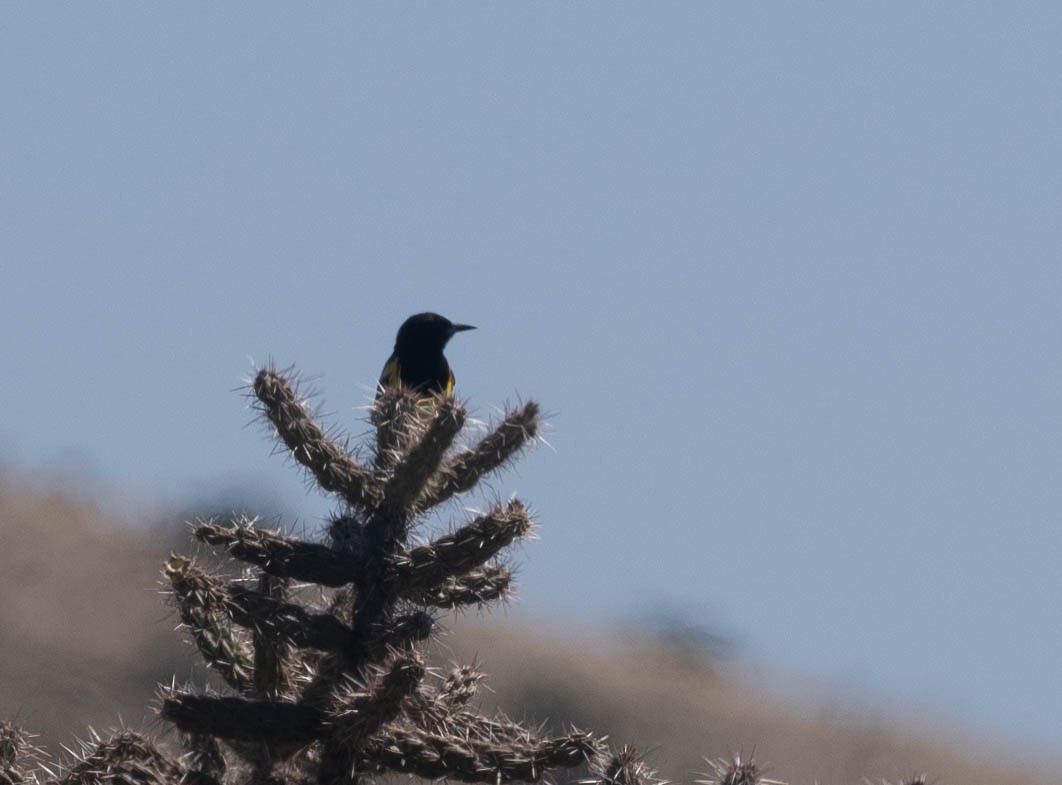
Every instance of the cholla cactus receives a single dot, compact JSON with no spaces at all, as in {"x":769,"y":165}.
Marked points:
{"x":735,"y":771}
{"x":20,"y":759}
{"x":319,"y":642}
{"x":625,"y":767}
{"x":335,"y":690}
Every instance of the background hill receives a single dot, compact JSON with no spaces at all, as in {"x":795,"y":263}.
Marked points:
{"x":86,"y":636}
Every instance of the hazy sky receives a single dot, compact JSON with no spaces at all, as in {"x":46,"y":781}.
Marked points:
{"x":786,"y":276}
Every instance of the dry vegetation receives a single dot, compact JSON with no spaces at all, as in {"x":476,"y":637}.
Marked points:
{"x":86,"y":637}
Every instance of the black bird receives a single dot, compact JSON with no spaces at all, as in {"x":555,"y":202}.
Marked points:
{"x":417,"y":362}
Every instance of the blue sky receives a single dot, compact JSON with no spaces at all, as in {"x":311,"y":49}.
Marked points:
{"x":786,"y":276}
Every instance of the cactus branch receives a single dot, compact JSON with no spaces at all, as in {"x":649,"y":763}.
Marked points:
{"x":455,"y":554}
{"x":735,"y":771}
{"x":432,"y":756}
{"x":413,"y":470}
{"x":202,"y":605}
{"x":284,"y":557}
{"x":398,"y":633}
{"x":237,"y":719}
{"x":18,"y":755}
{"x":467,"y":468}
{"x":397,"y":415}
{"x":207,"y":762}
{"x":332,"y":467}
{"x":272,"y":631}
{"x":258,"y":611}
{"x":475,"y":587}
{"x":126,"y":759}
{"x":356,"y":715}
{"x":625,"y":767}
{"x":460,"y":685}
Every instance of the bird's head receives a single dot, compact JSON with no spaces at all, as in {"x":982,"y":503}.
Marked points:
{"x":427,"y":330}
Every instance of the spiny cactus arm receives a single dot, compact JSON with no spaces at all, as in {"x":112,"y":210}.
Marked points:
{"x":431,"y":756}
{"x":397,"y":633}
{"x":357,"y":714}
{"x":475,"y":587}
{"x":464,"y":470}
{"x":202,"y":605}
{"x":273,"y":648}
{"x":335,"y":470}
{"x":460,"y":685}
{"x":237,"y":719}
{"x":625,"y":767}
{"x":429,"y":566}
{"x":397,"y":415}
{"x":255,"y":610}
{"x":289,"y":621}
{"x":279,"y":555}
{"x":19,"y":757}
{"x":468,"y":724}
{"x":127,"y":758}
{"x":735,"y":771}
{"x":411,"y":472}
{"x":392,"y":575}
{"x":206,"y":761}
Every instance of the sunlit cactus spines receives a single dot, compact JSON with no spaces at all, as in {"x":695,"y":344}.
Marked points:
{"x":335,"y":690}
{"x":318,"y":646}
{"x":21,"y":761}
{"x":626,"y":766}
{"x":736,"y":771}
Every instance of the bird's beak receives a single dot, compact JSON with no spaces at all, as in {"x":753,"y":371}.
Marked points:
{"x":460,"y":328}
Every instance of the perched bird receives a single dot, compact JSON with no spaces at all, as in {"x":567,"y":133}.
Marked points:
{"x":418,"y":362}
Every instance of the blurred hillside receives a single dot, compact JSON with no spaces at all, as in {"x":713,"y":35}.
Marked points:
{"x":86,"y":636}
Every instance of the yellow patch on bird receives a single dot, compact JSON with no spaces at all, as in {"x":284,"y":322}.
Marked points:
{"x":391,"y":375}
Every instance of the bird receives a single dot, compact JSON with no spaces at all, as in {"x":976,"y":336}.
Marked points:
{"x":418,"y":362}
